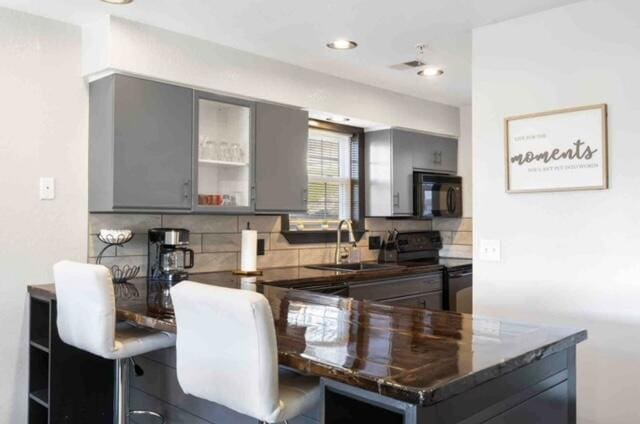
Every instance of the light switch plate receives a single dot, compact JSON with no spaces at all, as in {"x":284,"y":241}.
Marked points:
{"x":47,"y":188}
{"x":490,"y":250}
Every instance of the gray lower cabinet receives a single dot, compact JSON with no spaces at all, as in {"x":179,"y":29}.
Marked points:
{"x":391,"y":158}
{"x":281,"y":158}
{"x":423,"y":301}
{"x":140,"y":145}
{"x":415,"y":291}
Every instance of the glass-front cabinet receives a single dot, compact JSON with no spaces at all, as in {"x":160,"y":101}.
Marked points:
{"x":223,"y":154}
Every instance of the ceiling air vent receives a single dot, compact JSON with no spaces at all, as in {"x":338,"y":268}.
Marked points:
{"x":408,"y":65}
{"x":415,"y":63}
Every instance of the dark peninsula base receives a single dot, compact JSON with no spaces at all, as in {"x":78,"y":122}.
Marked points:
{"x":543,"y":392}
{"x":66,"y":385}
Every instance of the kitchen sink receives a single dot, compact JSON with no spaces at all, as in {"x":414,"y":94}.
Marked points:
{"x":352,"y":267}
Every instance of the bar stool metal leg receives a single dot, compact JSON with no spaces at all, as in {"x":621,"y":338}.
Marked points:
{"x":149,"y":413}
{"x":121,"y":397}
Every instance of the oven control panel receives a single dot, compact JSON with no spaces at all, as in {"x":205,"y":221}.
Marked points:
{"x":418,"y":240}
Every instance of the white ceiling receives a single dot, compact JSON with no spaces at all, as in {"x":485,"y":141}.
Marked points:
{"x":296,"y":31}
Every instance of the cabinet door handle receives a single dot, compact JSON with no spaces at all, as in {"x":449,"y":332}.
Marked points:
{"x":186,"y":187}
{"x":437,"y":157}
{"x":423,"y":304}
{"x":253,"y":193}
{"x":396,"y":200}
{"x":305,"y":196}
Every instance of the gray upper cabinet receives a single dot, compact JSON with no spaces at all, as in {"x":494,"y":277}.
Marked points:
{"x":377,"y":164}
{"x":281,"y":158}
{"x":140,"y":145}
{"x":391,"y":158}
{"x":436,"y":153}
{"x":402,"y":143}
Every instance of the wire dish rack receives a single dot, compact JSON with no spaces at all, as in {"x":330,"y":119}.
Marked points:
{"x":119,"y":275}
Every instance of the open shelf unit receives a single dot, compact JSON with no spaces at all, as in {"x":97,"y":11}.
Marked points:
{"x":41,"y":397}
{"x":66,"y":384}
{"x":39,"y":338}
{"x":223,"y":177}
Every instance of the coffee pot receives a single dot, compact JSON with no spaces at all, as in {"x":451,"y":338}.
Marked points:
{"x":168,"y":257}
{"x":175,"y":259}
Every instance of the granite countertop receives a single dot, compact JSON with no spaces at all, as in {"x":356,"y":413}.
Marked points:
{"x":414,"y":355}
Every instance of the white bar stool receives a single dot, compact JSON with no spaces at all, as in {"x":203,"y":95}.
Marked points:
{"x":227,"y":354}
{"x":87,"y":321}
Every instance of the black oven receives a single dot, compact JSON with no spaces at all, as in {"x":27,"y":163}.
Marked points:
{"x":437,"y":195}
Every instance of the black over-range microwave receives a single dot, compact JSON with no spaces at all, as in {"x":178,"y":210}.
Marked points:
{"x":437,"y":195}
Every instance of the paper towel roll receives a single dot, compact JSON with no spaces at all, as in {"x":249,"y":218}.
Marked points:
{"x":249,"y":251}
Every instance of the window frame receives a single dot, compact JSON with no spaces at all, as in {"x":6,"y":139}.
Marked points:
{"x":329,"y":236}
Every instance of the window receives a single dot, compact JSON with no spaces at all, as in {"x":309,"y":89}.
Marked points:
{"x":329,"y":167}
{"x":334,"y":166}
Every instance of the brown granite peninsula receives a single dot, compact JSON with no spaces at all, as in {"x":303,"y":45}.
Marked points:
{"x":409,"y":362}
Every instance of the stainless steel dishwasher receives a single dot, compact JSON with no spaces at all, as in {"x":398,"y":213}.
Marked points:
{"x":458,"y":289}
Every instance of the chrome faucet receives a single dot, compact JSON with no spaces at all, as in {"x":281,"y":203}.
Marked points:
{"x":352,"y":239}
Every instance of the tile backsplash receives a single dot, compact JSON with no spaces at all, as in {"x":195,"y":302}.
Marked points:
{"x":215,"y":239}
{"x":457,"y":236}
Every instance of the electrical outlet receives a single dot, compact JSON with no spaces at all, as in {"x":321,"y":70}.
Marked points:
{"x":490,"y":250}
{"x":47,"y":188}
{"x":260,"y":247}
{"x":354,"y":256}
{"x":374,"y":242}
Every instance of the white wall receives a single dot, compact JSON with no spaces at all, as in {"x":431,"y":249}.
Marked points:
{"x":571,"y":259}
{"x":43,"y":132}
{"x":148,"y":51}
{"x":465,"y":165}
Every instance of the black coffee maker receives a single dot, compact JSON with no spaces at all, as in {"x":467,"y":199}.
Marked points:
{"x":169,"y":258}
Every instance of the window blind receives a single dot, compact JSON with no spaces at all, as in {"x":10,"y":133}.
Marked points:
{"x":329,"y":168}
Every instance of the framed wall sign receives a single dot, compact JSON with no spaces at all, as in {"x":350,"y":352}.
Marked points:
{"x":559,"y":150}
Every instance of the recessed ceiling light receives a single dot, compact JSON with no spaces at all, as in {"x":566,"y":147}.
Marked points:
{"x":342,"y":44}
{"x":118,"y":1}
{"x":430,"y":71}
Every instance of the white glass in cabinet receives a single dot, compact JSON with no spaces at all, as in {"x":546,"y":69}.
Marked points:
{"x":224,"y":155}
